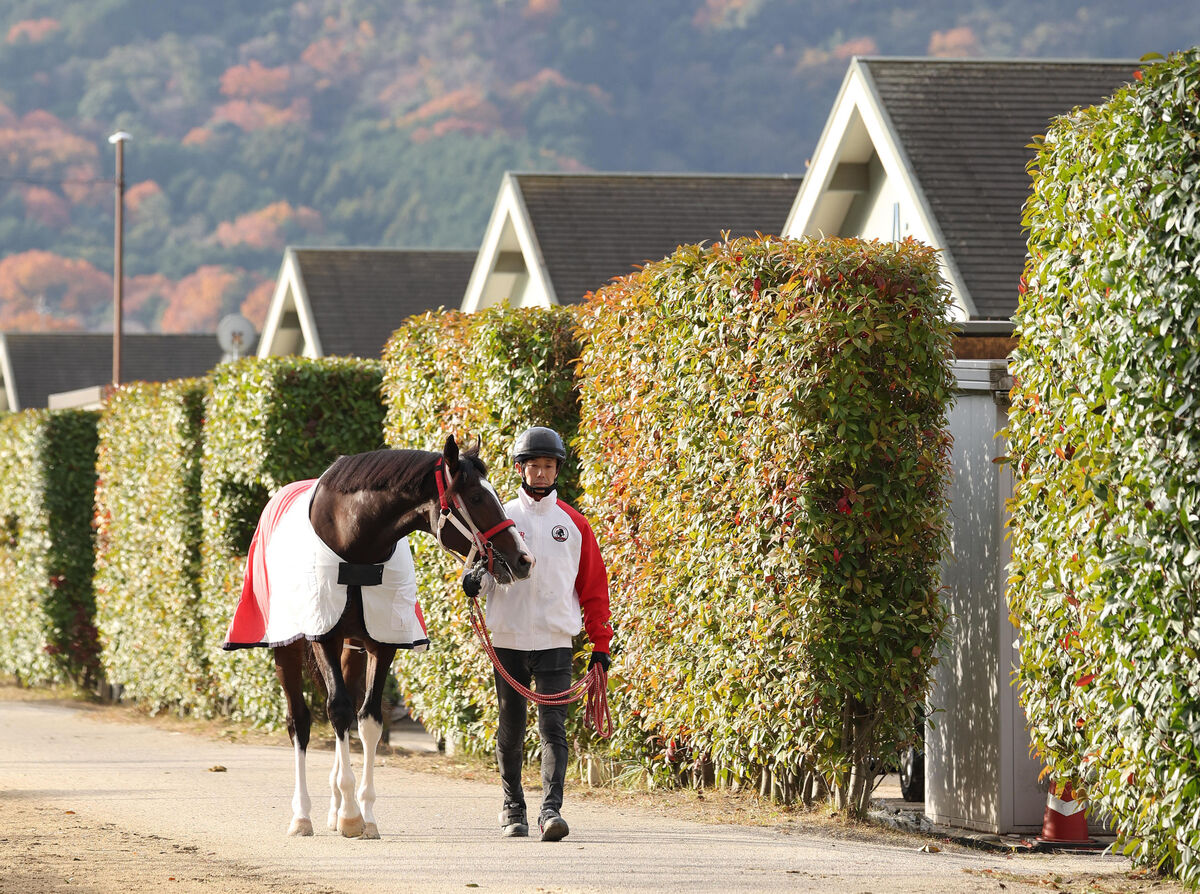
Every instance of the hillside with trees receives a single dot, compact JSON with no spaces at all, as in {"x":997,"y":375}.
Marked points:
{"x":262,"y":123}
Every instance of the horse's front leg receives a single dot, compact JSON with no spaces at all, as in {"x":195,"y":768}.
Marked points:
{"x":344,"y":812}
{"x":289,"y":668}
{"x":370,"y":730}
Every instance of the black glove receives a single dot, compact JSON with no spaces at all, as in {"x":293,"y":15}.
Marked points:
{"x":600,"y":658}
{"x":472,"y":581}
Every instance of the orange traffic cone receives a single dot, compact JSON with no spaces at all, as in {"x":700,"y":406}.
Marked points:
{"x":1065,"y":819}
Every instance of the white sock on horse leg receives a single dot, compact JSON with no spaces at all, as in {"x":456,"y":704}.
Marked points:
{"x":301,"y":803}
{"x":335,"y":793}
{"x":349,"y":819}
{"x":370,"y":731}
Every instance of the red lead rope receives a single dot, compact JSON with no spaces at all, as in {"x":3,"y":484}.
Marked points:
{"x":594,"y":684}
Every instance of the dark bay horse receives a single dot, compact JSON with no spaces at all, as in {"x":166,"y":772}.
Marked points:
{"x":360,"y":509}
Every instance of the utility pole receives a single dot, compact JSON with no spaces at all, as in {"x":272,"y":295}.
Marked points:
{"x":118,"y":139}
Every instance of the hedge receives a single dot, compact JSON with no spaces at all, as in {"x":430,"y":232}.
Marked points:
{"x":489,"y":376}
{"x":47,"y":477}
{"x":148,"y":544}
{"x":268,"y":422}
{"x":763,"y":432}
{"x":1105,"y":443}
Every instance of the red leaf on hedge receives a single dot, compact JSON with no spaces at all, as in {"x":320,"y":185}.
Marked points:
{"x":1085,"y":679}
{"x":837,"y":554}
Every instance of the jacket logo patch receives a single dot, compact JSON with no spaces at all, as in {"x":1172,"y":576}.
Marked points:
{"x":559,"y":533}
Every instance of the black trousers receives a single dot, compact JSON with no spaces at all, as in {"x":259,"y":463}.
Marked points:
{"x":550,"y":669}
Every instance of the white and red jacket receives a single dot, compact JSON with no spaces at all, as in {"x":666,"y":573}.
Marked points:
{"x":543,"y":611}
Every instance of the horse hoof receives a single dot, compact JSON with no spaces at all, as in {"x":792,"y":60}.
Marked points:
{"x":332,"y":821}
{"x":350,"y":827}
{"x":370,"y":831}
{"x":301,"y":828}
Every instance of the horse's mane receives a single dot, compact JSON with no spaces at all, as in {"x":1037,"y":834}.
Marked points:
{"x":395,"y":470}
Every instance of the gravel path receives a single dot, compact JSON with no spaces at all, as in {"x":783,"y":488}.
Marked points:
{"x":89,"y":804}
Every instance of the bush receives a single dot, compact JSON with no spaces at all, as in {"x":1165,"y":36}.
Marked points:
{"x":268,"y":422}
{"x":764,"y":448}
{"x":489,"y":376}
{"x":47,"y":479}
{"x":148,"y":544}
{"x":1105,"y":442}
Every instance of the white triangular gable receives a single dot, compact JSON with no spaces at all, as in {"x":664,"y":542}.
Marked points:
{"x":509,"y":265}
{"x":860,"y":182}
{"x":8,"y":394}
{"x":290,"y":327}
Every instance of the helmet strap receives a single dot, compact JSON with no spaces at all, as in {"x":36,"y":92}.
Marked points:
{"x":537,"y":492}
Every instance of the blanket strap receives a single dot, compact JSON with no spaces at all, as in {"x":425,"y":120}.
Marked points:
{"x":352,"y":575}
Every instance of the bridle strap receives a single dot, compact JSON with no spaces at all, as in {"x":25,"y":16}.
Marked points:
{"x":448,"y":501}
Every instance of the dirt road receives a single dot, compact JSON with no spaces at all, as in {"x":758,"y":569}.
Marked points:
{"x":88,"y":804}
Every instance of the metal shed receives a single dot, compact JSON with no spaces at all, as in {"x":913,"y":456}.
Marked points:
{"x":979,"y":773}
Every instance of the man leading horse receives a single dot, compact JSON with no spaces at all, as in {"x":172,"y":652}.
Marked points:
{"x":533,"y":622}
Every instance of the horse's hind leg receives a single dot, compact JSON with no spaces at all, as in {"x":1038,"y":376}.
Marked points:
{"x":353,"y":661}
{"x":370,"y":729}
{"x":289,"y":668}
{"x":344,"y":810}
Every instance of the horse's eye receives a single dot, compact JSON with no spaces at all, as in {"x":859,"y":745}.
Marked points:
{"x":475,"y":499}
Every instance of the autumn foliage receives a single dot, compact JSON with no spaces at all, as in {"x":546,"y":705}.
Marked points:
{"x":255,"y":81}
{"x":268,"y":227}
{"x":32,"y":30}
{"x":198,"y":301}
{"x":38,"y":286}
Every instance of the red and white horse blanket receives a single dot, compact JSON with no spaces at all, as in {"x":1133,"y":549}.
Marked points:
{"x":291,"y":587}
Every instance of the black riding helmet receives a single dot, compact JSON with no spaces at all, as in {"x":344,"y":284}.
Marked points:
{"x":535,"y":442}
{"x":539,"y":441}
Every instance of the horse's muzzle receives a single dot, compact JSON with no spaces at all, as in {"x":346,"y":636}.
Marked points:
{"x":505,"y":572}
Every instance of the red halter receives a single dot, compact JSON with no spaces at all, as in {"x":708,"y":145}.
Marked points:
{"x":481,"y":541}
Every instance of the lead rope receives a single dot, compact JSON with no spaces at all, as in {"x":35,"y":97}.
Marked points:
{"x":594,"y":684}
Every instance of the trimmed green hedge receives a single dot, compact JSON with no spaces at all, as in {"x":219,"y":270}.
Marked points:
{"x":47,"y":478}
{"x":487,"y":375}
{"x":1104,"y":439}
{"x":148,"y":544}
{"x":268,"y":422}
{"x":763,"y":431}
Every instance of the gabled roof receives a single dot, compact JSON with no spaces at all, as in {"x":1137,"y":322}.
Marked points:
{"x":553,"y":238}
{"x":36,"y":364}
{"x":348,"y":301}
{"x":937,"y":149}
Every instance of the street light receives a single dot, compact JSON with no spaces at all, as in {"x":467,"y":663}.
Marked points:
{"x":118,"y":139}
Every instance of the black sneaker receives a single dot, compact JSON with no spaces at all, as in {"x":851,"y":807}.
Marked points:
{"x":553,"y":826}
{"x":513,"y":824}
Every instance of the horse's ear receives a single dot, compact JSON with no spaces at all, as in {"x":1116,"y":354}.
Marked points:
{"x":450,"y":453}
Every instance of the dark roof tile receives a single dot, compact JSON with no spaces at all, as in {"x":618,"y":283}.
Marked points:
{"x":359,"y":296}
{"x":594,"y":227}
{"x":52,"y":362}
{"x":965,"y":127}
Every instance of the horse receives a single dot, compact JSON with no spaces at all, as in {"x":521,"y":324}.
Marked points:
{"x":360,"y":509}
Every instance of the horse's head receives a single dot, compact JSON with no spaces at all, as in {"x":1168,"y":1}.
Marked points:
{"x":481,"y":520}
